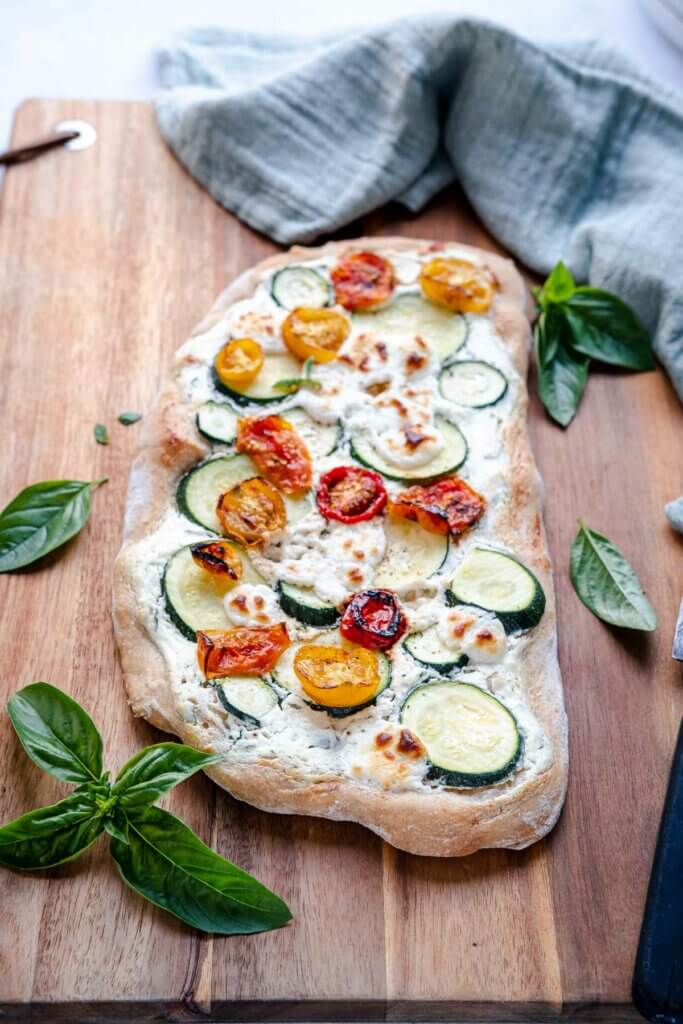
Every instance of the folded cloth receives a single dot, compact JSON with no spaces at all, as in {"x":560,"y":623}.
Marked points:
{"x":565,"y":151}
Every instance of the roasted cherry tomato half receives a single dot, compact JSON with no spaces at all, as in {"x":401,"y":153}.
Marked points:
{"x":447,"y":506}
{"x":373,"y":619}
{"x":277,"y":450}
{"x":316,"y":334}
{"x":239,"y":362}
{"x":335,"y":676}
{"x":219,"y":558}
{"x":245,"y":651}
{"x":363,"y":280}
{"x":458,"y":285}
{"x":350,"y":494}
{"x":251,"y":511}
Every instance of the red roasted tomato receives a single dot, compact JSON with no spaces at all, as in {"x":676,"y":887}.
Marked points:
{"x":244,"y":651}
{"x":350,"y":494}
{"x":363,"y":280}
{"x":277,"y":450}
{"x":448,"y":506}
{"x":373,"y":619}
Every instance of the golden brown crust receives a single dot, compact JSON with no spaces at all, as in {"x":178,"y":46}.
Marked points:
{"x":437,"y":823}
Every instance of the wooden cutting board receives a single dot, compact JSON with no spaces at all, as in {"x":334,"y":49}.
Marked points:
{"x":108,"y":257}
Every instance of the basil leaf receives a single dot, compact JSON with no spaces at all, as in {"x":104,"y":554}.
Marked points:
{"x":558,"y":287}
{"x":547,"y":330}
{"x":607,"y":584}
{"x":168,"y":864}
{"x":155,"y":770}
{"x":291,"y":384}
{"x":50,"y":835}
{"x":56,"y":733}
{"x":116,"y":824}
{"x":605,"y":328}
{"x":101,"y":433}
{"x":561,"y":383}
{"x":126,"y":418}
{"x":41,"y":518}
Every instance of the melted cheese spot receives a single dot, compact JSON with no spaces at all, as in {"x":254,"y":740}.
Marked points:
{"x":252,"y":604}
{"x":474,"y":632}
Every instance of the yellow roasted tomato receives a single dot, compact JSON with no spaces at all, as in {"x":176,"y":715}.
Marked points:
{"x":251,"y":511}
{"x":458,"y":285}
{"x":316,"y":334}
{"x":239,"y":362}
{"x":337,"y":677}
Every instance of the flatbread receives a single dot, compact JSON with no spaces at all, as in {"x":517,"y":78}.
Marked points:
{"x":388,"y":795}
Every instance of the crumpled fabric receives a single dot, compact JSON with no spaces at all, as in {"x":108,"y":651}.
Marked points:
{"x":565,"y":151}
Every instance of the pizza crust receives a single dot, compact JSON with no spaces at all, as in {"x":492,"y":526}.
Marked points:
{"x":436,"y":822}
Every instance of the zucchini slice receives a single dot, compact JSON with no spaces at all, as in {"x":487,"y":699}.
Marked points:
{"x":199,"y":490}
{"x":450,"y":458}
{"x":321,"y":439}
{"x":285,"y":676}
{"x":249,"y":698}
{"x":410,"y":314}
{"x":473,"y":383}
{"x":410,"y":552}
{"x":302,"y":604}
{"x":300,"y":286}
{"x":193,"y":597}
{"x":427,"y":648}
{"x":498,"y":583}
{"x":216,"y":421}
{"x":261,"y":390}
{"x":470,"y":737}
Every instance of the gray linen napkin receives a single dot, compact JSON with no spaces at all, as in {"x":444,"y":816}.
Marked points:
{"x":565,"y":151}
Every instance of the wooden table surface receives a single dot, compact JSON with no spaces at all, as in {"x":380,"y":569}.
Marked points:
{"x":108,"y":257}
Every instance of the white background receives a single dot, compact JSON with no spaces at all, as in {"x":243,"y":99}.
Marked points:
{"x":105,"y":48}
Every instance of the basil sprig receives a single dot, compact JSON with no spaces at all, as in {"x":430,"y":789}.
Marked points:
{"x":291,"y":384}
{"x":575,"y":324}
{"x":156,"y":854}
{"x":41,"y":518}
{"x":607,"y":584}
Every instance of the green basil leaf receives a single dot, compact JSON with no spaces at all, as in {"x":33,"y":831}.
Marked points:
{"x":559,"y":286}
{"x":50,"y":835}
{"x":101,"y":433}
{"x":41,"y":518}
{"x":561,"y":383}
{"x":605,"y":328}
{"x":155,"y":770}
{"x":168,"y":864}
{"x":57,"y":733}
{"x":607,"y":584}
{"x":291,"y":384}
{"x":116,"y":824}
{"x":547,"y":332}
{"x":126,"y":418}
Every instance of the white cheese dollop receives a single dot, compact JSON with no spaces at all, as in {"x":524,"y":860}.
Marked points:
{"x":474,"y":632}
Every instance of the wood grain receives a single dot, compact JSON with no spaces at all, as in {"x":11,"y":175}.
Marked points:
{"x":107,"y":259}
